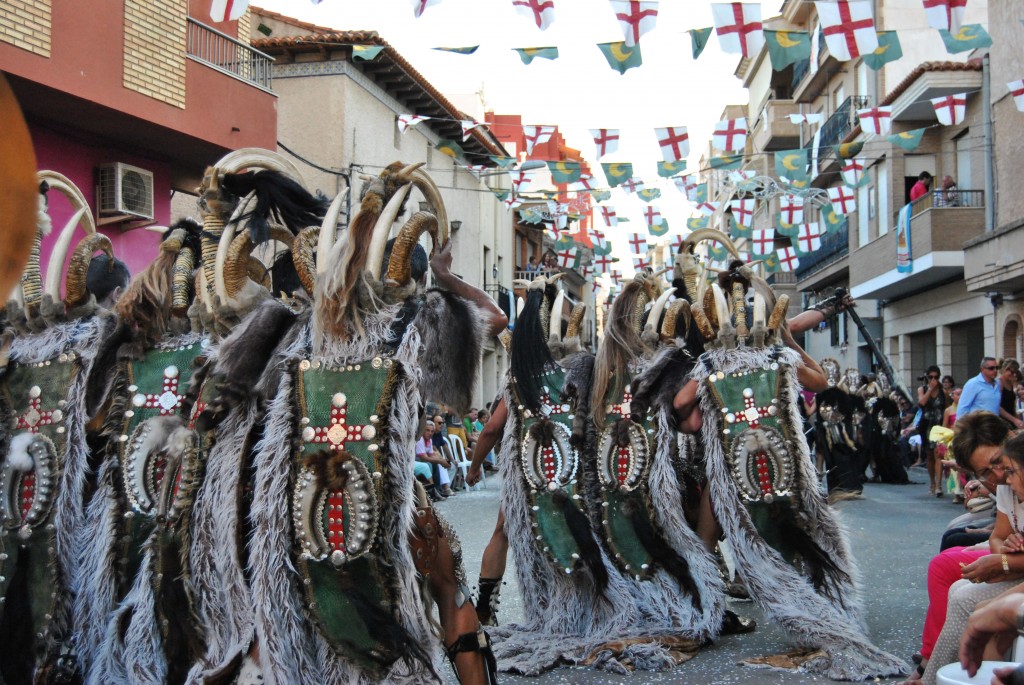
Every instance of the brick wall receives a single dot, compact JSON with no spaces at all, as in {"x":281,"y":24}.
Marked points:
{"x":26,"y":24}
{"x":245,"y":27}
{"x":154,"y":49}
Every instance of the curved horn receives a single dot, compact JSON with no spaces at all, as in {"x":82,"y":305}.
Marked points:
{"x":258,"y":158}
{"x":304,"y":259}
{"x":236,"y":264}
{"x":381,"y":231}
{"x":156,"y":229}
{"x":29,"y":290}
{"x":181,"y":280}
{"x":710,"y":308}
{"x":638,"y":310}
{"x":55,"y":266}
{"x":399,"y":267}
{"x":576,"y":320}
{"x":327,"y":233}
{"x":554,"y":278}
{"x":702,"y":234}
{"x":668,"y":326}
{"x":520,"y":303}
{"x":78,"y":268}
{"x":721,"y":304}
{"x":226,"y":238}
{"x":432,"y":195}
{"x":555,"y":318}
{"x":779,"y":313}
{"x":707,"y":331}
{"x":654,"y":318}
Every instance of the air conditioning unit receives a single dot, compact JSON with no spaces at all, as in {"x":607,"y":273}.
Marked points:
{"x":124,"y":190}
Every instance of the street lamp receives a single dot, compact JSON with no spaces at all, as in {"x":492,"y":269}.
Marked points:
{"x":456,"y":225}
{"x":494,"y":272}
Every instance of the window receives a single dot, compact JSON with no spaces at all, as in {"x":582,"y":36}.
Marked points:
{"x":863,"y":223}
{"x":882,"y":175}
{"x":862,"y":79}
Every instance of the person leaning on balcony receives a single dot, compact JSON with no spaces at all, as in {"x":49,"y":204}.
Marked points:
{"x":920,"y":189}
{"x":946,"y":196}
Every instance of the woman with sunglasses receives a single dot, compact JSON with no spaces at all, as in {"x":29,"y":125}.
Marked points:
{"x":932,"y":401}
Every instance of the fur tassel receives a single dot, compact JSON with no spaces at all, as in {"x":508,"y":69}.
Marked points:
{"x":327,"y":469}
{"x":822,"y":570}
{"x":446,"y":322}
{"x":656,"y":385}
{"x":579,"y":374}
{"x":17,"y":633}
{"x":182,"y":641}
{"x":583,"y":534}
{"x":543,"y":432}
{"x":675,"y":565}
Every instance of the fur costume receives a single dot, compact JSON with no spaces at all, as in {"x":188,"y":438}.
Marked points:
{"x":836,"y":433}
{"x":883,"y":442}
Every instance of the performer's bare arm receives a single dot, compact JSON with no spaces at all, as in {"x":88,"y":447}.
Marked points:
{"x":812,"y":318}
{"x":441,"y":264}
{"x":808,"y":372}
{"x":489,"y":437}
{"x":686,"y":408}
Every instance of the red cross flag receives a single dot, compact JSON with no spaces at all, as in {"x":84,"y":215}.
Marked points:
{"x":616,"y":276}
{"x":476,"y":168}
{"x":597,"y":237}
{"x":567,"y":257}
{"x":652,"y":215}
{"x":788,"y":260}
{"x":537,"y":135}
{"x":730,"y":135}
{"x":551,"y":232}
{"x":674,"y":142}
{"x":541,"y":11}
{"x":678,"y":241}
{"x":611,"y":220}
{"x":635,"y":17}
{"x":738,"y":26}
{"x":950,"y":110}
{"x":468,"y":126}
{"x":791,"y":209}
{"x":584,"y":184}
{"x":419,"y":5}
{"x":762,"y":242}
{"x":808,"y":239}
{"x":877,"y":120}
{"x":639,"y":264}
{"x":945,"y":14}
{"x":1017,"y":91}
{"x":743,"y":211}
{"x":848,"y":27}
{"x":632,"y":184}
{"x":842,"y":199}
{"x":707,"y":208}
{"x":227,"y":10}
{"x":407,"y":120}
{"x":606,"y":140}
{"x":853,"y":173}
{"x":520,"y":178}
{"x":603,"y":263}
{"x":638,"y":243}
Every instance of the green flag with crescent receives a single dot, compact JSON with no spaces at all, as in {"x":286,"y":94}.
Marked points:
{"x":830,"y":221}
{"x":699,"y":38}
{"x":530,"y":54}
{"x":737,"y":230}
{"x":620,"y":56}
{"x":502,"y":162}
{"x":908,"y":140}
{"x":698,"y":222}
{"x":601,"y":195}
{"x":565,"y":172}
{"x":849,"y":150}
{"x":460,"y":51}
{"x":617,"y":173}
{"x":788,"y":230}
{"x":649,"y":194}
{"x":366,"y":53}
{"x":659,"y":228}
{"x":670,"y":169}
{"x":727,"y":162}
{"x":791,"y":165}
{"x":888,"y":50}
{"x":772,"y":263}
{"x":786,"y":47}
{"x":450,"y":148}
{"x":969,"y":37}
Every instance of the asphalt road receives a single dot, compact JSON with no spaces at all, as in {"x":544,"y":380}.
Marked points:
{"x":894,"y":531}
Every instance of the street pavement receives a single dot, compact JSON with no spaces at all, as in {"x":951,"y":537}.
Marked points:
{"x":894,"y":531}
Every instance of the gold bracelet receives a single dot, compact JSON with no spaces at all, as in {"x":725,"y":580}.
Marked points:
{"x":1006,"y":563}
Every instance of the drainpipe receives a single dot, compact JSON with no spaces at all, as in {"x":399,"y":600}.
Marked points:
{"x":986,"y":94}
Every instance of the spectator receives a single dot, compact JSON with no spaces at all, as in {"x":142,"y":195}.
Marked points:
{"x":427,"y":452}
{"x":920,"y":189}
{"x":478,"y":426}
{"x":1018,"y":405}
{"x":982,"y":392}
{"x":550,"y":264}
{"x":947,"y":386}
{"x":998,"y":624}
{"x":946,"y":196}
{"x":932,"y":401}
{"x":1009,"y":377}
{"x":532,"y":266}
{"x":910,"y":440}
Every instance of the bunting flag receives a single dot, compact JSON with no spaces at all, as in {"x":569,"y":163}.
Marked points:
{"x":476,"y":168}
{"x":599,"y":241}
{"x":531,"y":216}
{"x":617,"y":173}
{"x":405,"y":121}
{"x":632,"y":184}
{"x":787,"y":47}
{"x":876,"y":120}
{"x":419,"y":5}
{"x":608,"y":214}
{"x":616,"y":276}
{"x":730,"y":135}
{"x":606,"y":140}
{"x":637,"y":243}
{"x":848,"y":27}
{"x":788,"y":261}
{"x":945,"y":14}
{"x":842,"y":199}
{"x":537,"y":135}
{"x":520,"y":178}
{"x":832,"y":221}
{"x":791,"y":209}
{"x":366,"y":53}
{"x":603,"y":263}
{"x":620,"y":56}
{"x":717,"y":251}
{"x":512,"y":202}
{"x":502,"y":162}
{"x":649,"y":194}
{"x":787,"y":229}
{"x":697,"y":223}
{"x":699,"y":39}
{"x":698,"y":192}
{"x":678,"y":242}
{"x":584,"y":184}
{"x":738,"y":26}
{"x":771,"y":263}
{"x":641,"y":263}
{"x":501,"y":194}
{"x":227,"y":10}
{"x":527,"y":55}
{"x":565,"y":172}
{"x":450,"y":148}
{"x":950,"y":110}
{"x":542,"y":12}
{"x":1017,"y":92}
{"x":726,"y":162}
{"x":853,"y":173}
{"x":888,"y":50}
{"x":848,"y":150}
{"x":762,"y":242}
{"x":635,"y":18}
{"x":808,"y":239}
{"x":467,"y":128}
{"x":908,"y":140}
{"x":652,"y":215}
{"x":601,"y":195}
{"x":791,"y":165}
{"x":738,"y":231}
{"x":969,"y":37}
{"x":811,"y":119}
{"x":683,"y":184}
{"x":567,"y":258}
{"x":670,"y":169}
{"x":743,"y":211}
{"x":674,"y":142}
{"x":468,"y":50}
{"x":659,"y":229}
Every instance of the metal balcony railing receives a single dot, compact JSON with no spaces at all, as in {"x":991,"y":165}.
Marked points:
{"x":834,"y":246}
{"x":800,"y":69}
{"x":220,"y":51}
{"x":842,"y":122}
{"x":940,"y":199}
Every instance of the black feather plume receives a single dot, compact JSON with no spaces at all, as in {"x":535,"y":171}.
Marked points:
{"x":661,"y":552}
{"x":278,"y":197}
{"x":182,"y":640}
{"x":660,"y":381}
{"x":530,"y":353}
{"x":17,"y":657}
{"x":583,"y":534}
{"x":823,"y":572}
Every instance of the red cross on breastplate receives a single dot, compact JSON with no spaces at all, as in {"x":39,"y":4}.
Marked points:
{"x":35,"y":416}
{"x":336,"y":434}
{"x":168,"y":400}
{"x":622,"y":408}
{"x":751,"y":414}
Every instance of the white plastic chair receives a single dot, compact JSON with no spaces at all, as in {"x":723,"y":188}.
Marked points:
{"x":952,"y":674}
{"x":462,"y":462}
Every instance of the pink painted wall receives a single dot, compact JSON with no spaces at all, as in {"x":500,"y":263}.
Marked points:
{"x":77,"y":160}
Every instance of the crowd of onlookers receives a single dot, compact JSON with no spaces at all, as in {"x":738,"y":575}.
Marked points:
{"x":447,"y":440}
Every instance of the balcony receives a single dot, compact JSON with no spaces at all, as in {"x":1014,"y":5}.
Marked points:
{"x":773,"y":129}
{"x":227,"y":55}
{"x":937,"y":236}
{"x":839,"y":125}
{"x":834,"y":246}
{"x":994,"y":261}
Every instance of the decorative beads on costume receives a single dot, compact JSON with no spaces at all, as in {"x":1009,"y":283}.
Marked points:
{"x":335,"y":524}
{"x":550,"y":466}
